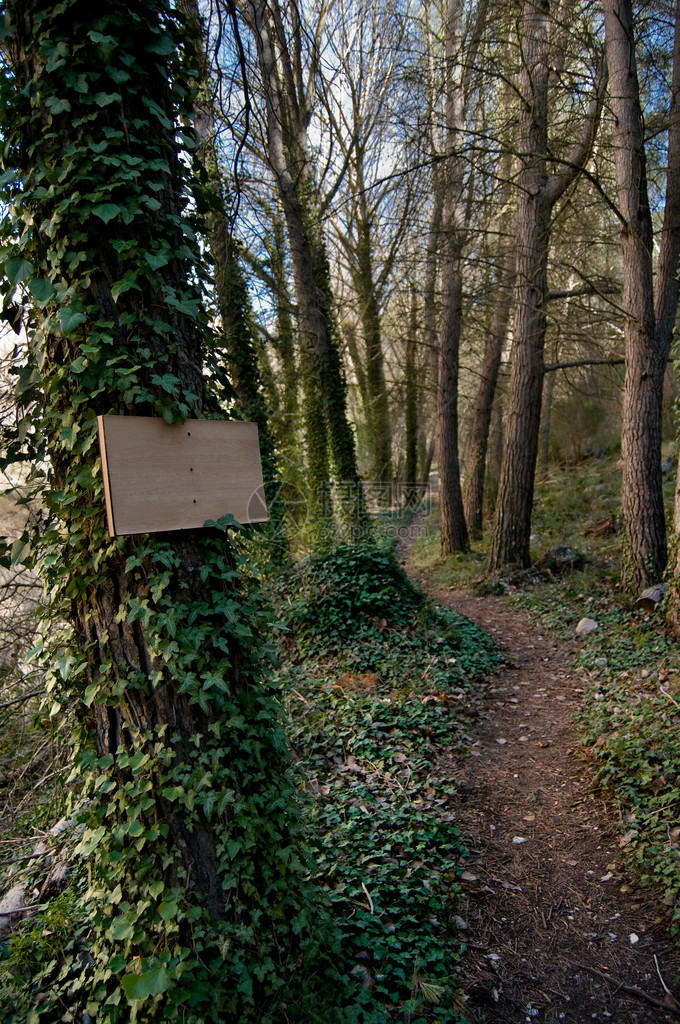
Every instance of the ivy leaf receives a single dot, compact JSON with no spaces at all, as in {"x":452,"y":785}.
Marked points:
{"x":122,"y":928}
{"x":17,"y":270}
{"x":106,"y":211}
{"x":21,"y":550}
{"x":163,"y":46}
{"x":103,"y":99}
{"x":42,"y":290}
{"x":127,"y":282}
{"x":157,"y":260}
{"x":168,"y":382}
{"x":68,"y":435}
{"x":148,"y":983}
{"x":57,"y":105}
{"x":137,"y":761}
{"x":168,"y":909}
{"x":70,"y":318}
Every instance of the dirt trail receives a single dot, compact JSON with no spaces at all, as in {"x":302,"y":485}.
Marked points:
{"x":546,"y":897}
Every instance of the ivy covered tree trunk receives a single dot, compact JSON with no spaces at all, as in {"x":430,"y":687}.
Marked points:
{"x":234,"y":362}
{"x":288,"y":112}
{"x":379,"y":427}
{"x":181,"y":750}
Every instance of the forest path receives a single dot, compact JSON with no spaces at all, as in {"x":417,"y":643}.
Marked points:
{"x":556,"y":928}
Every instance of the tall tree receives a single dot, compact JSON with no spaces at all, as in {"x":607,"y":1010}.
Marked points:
{"x":182,"y":755}
{"x":537,"y":192}
{"x":288,"y":99}
{"x":235,"y":361}
{"x":502,"y":277}
{"x":362,"y":108}
{"x":454,"y":533}
{"x":649,"y":312}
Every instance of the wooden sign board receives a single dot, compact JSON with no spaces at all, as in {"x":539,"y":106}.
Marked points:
{"x":159,"y":477}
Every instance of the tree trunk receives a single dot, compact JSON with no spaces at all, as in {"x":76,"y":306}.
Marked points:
{"x":510,"y":542}
{"x":537,"y":195}
{"x":648,"y":323}
{"x":411,"y":402}
{"x":478,"y":438}
{"x":290,"y":163}
{"x":546,"y":414}
{"x":454,"y":535}
{"x":379,"y":428}
{"x":162,"y":662}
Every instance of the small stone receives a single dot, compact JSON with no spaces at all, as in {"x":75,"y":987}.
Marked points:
{"x":518,"y":840}
{"x":586,"y":626}
{"x":633,"y":938}
{"x":502,"y":740}
{"x":10,"y":909}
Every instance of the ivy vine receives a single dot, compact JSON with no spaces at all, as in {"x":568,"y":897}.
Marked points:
{"x":196,"y":905}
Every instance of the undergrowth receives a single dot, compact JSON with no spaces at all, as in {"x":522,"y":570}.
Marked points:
{"x":375,"y":673}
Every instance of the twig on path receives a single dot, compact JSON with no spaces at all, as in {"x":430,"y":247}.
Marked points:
{"x":20,"y":860}
{"x":633,"y":990}
{"x":671,"y":699}
{"x":368,"y":896}
{"x":664,"y":986}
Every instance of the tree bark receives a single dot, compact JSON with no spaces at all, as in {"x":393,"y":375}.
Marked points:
{"x":478,"y":438}
{"x":162,"y":664}
{"x":411,"y":401}
{"x":379,"y":428}
{"x":287,"y":115}
{"x":454,"y":535}
{"x":537,"y":194}
{"x":648,"y":319}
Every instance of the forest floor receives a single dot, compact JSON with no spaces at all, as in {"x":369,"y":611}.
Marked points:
{"x":555,"y":927}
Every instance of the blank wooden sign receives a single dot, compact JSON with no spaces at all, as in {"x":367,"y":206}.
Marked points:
{"x":160,"y":477}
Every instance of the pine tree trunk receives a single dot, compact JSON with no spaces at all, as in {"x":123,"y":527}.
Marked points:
{"x":537,"y":193}
{"x":510,"y":542}
{"x":648,"y":321}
